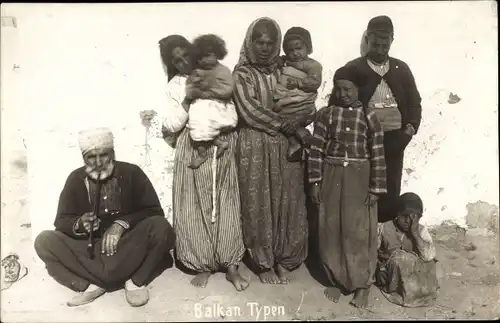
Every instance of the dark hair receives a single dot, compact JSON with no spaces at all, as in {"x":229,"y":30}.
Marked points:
{"x":167,"y":45}
{"x":209,"y":43}
{"x":265,"y":26}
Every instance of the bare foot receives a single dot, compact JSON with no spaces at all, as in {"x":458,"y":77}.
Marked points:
{"x":234,"y":277}
{"x":360,"y":298}
{"x":333,"y":294}
{"x":269,"y":277}
{"x":221,"y":148}
{"x":197,"y":162}
{"x":283,"y":274}
{"x":201,"y":280}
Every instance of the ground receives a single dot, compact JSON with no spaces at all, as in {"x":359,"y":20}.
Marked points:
{"x":469,"y":280}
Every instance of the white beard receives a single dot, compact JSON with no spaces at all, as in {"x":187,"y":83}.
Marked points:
{"x":105,"y":173}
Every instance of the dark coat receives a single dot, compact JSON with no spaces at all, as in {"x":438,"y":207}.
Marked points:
{"x":138,"y":199}
{"x":402,"y":84}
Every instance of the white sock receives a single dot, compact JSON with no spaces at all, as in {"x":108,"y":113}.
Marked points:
{"x":129,"y":285}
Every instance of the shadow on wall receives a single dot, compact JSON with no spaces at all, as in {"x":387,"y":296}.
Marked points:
{"x":21,"y":164}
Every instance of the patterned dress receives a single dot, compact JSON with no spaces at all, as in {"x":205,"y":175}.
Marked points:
{"x":271,"y":188}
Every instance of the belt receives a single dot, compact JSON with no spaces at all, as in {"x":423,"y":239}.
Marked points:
{"x":344,"y":161}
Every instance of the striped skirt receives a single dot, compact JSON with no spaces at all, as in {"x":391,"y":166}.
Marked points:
{"x":206,"y":240}
{"x":347,"y":228}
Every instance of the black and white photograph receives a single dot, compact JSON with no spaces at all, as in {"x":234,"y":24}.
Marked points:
{"x":249,"y":161}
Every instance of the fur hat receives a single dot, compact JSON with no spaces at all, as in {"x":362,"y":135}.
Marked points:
{"x":381,"y":26}
{"x":95,"y":138}
{"x":350,"y":73}
{"x":300,"y":33}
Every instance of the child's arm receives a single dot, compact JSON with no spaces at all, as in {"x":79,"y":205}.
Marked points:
{"x":313,"y":80}
{"x":378,"y":183}
{"x":382,"y":254}
{"x":317,"y":154}
{"x":423,"y":241}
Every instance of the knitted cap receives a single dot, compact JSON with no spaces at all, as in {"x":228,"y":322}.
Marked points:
{"x":410,"y":201}
{"x":350,"y":73}
{"x":299,"y":33}
{"x":381,"y":25}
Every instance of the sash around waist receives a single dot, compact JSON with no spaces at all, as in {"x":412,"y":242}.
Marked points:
{"x":341,"y":160}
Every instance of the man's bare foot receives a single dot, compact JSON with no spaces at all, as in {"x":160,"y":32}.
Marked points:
{"x":234,"y":277}
{"x":201,"y":280}
{"x":333,"y":294}
{"x":360,"y":298}
{"x":197,"y":162}
{"x":89,"y":295}
{"x":269,"y":277}
{"x":283,"y":274}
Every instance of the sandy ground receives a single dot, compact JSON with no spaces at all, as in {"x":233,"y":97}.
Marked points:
{"x":469,"y":277}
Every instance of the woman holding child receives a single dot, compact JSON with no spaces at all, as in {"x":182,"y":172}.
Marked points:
{"x":206,"y":241}
{"x":271,"y":187}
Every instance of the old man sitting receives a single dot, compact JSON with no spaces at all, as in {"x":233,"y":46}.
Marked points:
{"x":131,"y":236}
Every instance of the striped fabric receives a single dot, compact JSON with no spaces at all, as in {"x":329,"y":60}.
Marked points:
{"x":383,"y":100}
{"x":254,"y":100}
{"x":200,"y":244}
{"x":272,"y":189}
{"x":273,"y":201}
{"x":349,"y":133}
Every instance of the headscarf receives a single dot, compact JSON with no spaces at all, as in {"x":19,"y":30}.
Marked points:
{"x":248,"y":57}
{"x":167,"y":44}
{"x":299,"y":33}
{"x":410,"y":202}
{"x":95,"y":138}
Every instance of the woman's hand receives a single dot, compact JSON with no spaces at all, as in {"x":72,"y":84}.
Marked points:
{"x":371,"y":199}
{"x":193,"y":93}
{"x":289,"y":127}
{"x":315,"y":193}
{"x":292,"y":84}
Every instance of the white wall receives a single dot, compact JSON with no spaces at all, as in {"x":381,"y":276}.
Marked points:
{"x":94,"y":64}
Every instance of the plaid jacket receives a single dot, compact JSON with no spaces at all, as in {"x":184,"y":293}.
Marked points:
{"x":350,"y":133}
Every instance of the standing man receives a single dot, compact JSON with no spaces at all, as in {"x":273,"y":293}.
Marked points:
{"x":392,"y":93}
{"x":132,"y":235}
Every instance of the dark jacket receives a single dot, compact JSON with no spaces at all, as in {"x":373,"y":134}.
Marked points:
{"x":402,"y":84}
{"x":138,"y":198}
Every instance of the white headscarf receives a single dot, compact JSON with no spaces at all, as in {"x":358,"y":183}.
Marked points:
{"x":95,"y":138}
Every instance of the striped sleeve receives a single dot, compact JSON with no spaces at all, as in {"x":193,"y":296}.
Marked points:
{"x":378,"y":179}
{"x":317,"y":154}
{"x":250,"y":108}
